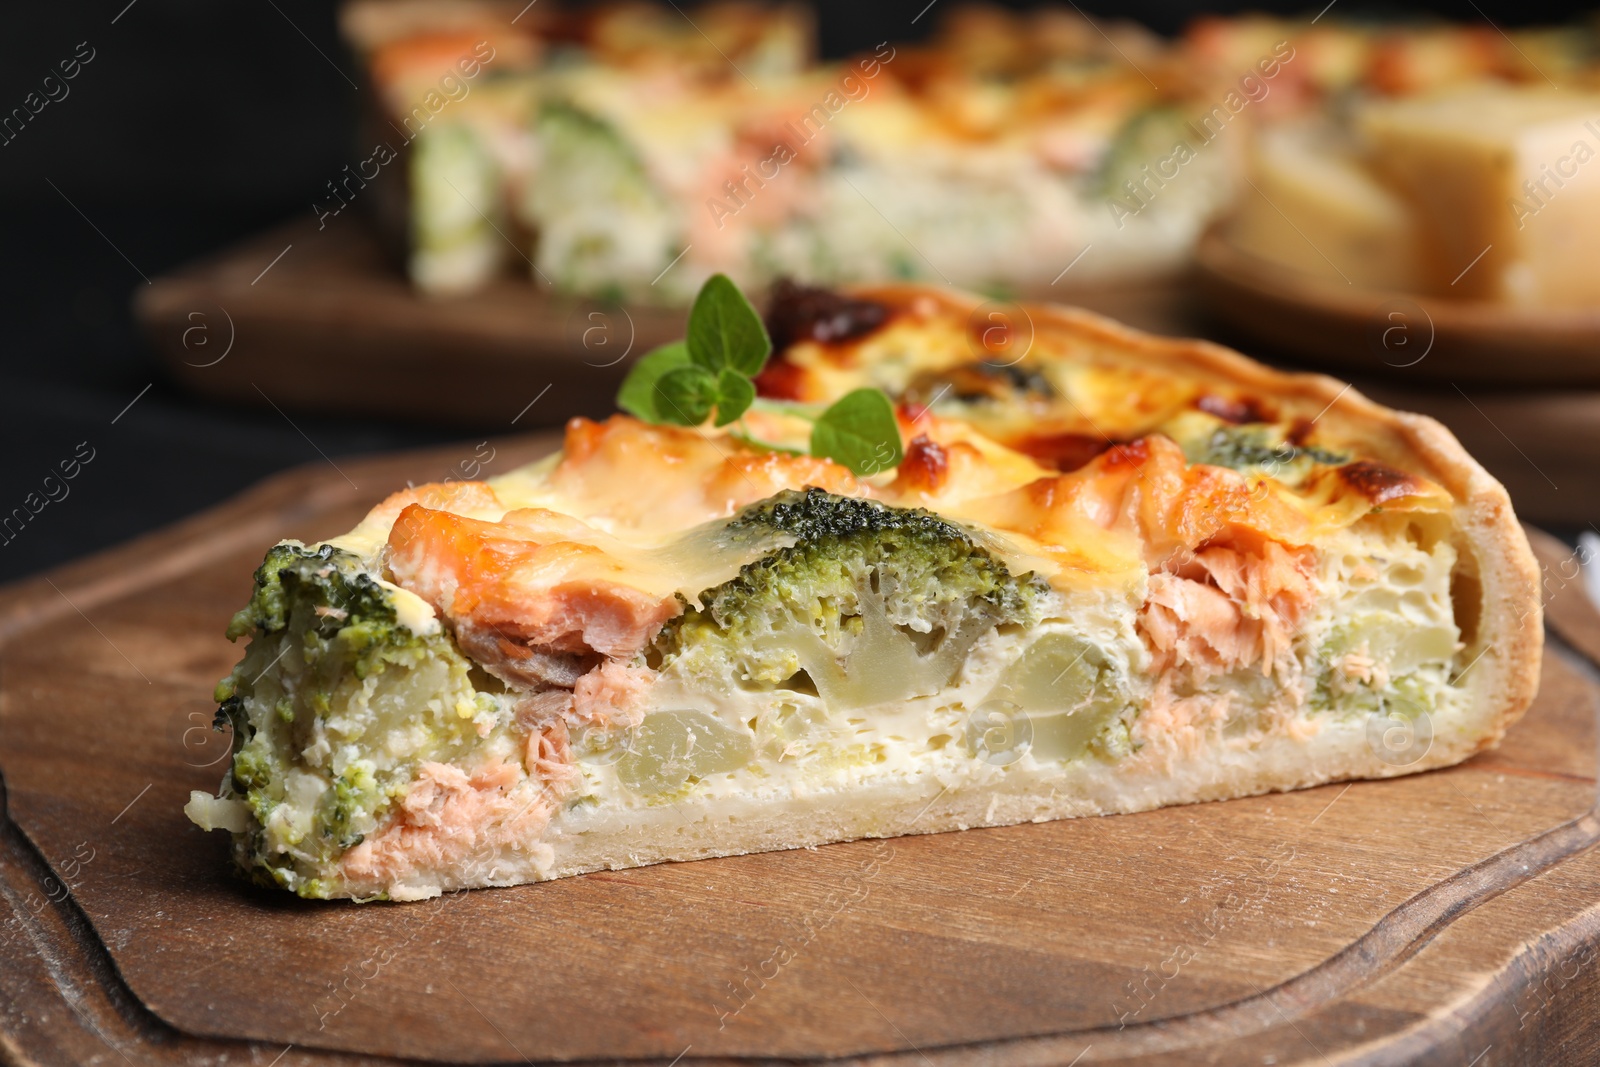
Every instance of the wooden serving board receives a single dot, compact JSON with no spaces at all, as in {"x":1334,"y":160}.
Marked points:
{"x":1431,"y":339}
{"x":335,"y":326}
{"x":324,"y":321}
{"x":1451,"y":917}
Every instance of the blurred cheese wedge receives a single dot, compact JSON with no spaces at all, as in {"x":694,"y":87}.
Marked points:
{"x":1311,"y":205}
{"x":1505,"y":186}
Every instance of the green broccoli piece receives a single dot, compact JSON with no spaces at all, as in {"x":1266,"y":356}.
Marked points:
{"x":871,"y":603}
{"x":329,"y":664}
{"x":1247,"y":448}
{"x":324,"y":577}
{"x":457,"y":208}
{"x":604,"y":226}
{"x":1147,"y":137}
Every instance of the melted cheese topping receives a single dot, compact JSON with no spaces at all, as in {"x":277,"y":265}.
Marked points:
{"x":1070,"y":460}
{"x":645,"y":506}
{"x":1064,"y":392}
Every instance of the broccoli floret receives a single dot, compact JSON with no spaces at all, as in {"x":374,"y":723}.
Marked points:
{"x":329,"y":665}
{"x":871,"y":603}
{"x":328,"y":594}
{"x":1247,"y":448}
{"x":604,"y":225}
{"x":1146,"y":138}
{"x":326,"y":578}
{"x":455,"y":203}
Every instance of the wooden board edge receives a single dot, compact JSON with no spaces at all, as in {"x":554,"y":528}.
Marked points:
{"x":1344,"y":326}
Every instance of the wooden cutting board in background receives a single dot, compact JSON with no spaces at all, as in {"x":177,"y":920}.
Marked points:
{"x":322,"y":321}
{"x":1450,"y":918}
{"x":1357,"y":331}
{"x":334,"y":326}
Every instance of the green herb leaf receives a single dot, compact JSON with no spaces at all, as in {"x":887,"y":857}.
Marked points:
{"x":725,"y":331}
{"x":859,"y":431}
{"x":638,"y":393}
{"x":685,"y":395}
{"x":734,"y":394}
{"x":684,"y":382}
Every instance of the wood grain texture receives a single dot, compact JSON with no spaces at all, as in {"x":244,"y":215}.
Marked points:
{"x":1429,"y":919}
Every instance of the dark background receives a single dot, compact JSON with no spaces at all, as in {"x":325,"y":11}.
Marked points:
{"x":195,"y":124}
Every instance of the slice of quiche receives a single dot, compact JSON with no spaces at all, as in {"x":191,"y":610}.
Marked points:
{"x":1094,"y":572}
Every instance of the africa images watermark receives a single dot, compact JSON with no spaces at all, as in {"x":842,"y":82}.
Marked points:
{"x":453,"y":87}
{"x":850,"y":89}
{"x":1539,"y":191}
{"x":52,"y":90}
{"x":52,"y":490}
{"x":1547,"y":991}
{"x":1253,"y":87}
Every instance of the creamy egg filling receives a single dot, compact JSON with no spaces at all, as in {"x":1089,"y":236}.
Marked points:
{"x":509,"y":669}
{"x":338,"y":745}
{"x":1382,"y":640}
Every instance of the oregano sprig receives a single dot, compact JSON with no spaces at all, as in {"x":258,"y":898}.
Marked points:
{"x":711,"y":372}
